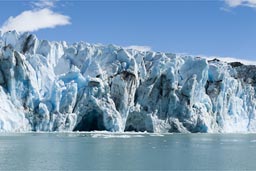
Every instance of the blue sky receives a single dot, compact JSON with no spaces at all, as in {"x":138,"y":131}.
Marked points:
{"x":211,"y":28}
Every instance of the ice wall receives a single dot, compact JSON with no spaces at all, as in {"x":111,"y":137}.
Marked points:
{"x":53,"y":86}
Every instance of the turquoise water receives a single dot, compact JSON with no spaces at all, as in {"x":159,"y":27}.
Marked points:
{"x":85,"y":151}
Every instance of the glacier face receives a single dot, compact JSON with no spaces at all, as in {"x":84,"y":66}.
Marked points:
{"x":53,"y":86}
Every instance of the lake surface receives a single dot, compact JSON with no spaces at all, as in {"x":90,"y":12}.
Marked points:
{"x":105,"y":151}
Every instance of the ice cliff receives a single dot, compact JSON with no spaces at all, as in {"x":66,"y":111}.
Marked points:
{"x":54,"y":86}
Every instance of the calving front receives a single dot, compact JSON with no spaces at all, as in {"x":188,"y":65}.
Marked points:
{"x":53,"y":86}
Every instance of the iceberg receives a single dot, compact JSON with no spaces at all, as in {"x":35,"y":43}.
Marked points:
{"x":56,"y":86}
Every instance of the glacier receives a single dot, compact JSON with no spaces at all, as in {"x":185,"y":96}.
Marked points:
{"x":56,"y":86}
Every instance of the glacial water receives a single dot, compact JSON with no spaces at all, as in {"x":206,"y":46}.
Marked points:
{"x":105,"y":151}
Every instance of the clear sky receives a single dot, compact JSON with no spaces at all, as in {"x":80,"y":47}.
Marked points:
{"x":211,"y":28}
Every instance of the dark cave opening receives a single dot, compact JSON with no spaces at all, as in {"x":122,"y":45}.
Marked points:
{"x":92,"y":121}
